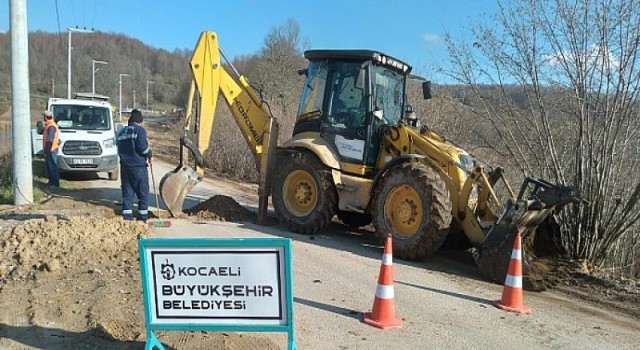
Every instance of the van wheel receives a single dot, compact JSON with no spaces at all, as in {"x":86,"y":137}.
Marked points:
{"x":114,"y":175}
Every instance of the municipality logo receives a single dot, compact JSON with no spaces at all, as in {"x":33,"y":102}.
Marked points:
{"x":167,"y":270}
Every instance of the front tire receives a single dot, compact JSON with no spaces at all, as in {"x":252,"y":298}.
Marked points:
{"x":412,"y":204}
{"x":115,"y":174}
{"x":304,"y":196}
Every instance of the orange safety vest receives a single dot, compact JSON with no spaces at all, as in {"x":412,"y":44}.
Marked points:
{"x":56,"y":139}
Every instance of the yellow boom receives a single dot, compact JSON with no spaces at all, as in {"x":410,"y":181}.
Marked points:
{"x":259,"y":128}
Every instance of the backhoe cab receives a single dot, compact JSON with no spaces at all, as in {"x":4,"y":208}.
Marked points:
{"x":356,"y":153}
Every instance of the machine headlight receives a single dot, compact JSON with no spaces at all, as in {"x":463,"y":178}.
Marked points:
{"x":108,"y":143}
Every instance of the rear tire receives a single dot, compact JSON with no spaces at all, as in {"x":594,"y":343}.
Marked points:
{"x":412,"y":204}
{"x":304,"y":196}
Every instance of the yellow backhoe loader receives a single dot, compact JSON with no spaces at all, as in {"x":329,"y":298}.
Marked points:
{"x":355,"y":152}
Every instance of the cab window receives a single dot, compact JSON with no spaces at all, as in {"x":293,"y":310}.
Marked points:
{"x":313,"y":91}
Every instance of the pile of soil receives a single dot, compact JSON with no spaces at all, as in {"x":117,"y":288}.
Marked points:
{"x":221,"y":208}
{"x":580,"y":280}
{"x":55,"y":243}
{"x":77,"y":269}
{"x":73,"y":281}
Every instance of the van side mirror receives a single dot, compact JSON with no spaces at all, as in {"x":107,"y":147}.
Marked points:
{"x":39,"y":127}
{"x":426,"y":90}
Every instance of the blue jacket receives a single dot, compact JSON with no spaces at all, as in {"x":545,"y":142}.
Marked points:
{"x":133,"y":147}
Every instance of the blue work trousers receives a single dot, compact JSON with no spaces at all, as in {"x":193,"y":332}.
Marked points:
{"x":51,"y":163}
{"x":135,"y":182}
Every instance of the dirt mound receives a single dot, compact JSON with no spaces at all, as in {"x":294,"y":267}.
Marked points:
{"x":221,"y":208}
{"x":56,"y":243}
{"x":545,"y":273}
{"x":77,"y":279}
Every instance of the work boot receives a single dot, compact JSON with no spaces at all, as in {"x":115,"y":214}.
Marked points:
{"x":127,"y":217}
{"x":142,"y":218}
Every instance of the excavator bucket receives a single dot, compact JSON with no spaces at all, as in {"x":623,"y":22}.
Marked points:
{"x":529,"y":216}
{"x":175,"y":186}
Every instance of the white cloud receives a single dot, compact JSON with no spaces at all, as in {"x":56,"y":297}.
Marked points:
{"x":599,"y":56}
{"x":432,"y":38}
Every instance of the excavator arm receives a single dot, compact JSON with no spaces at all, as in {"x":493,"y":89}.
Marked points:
{"x":260,"y":130}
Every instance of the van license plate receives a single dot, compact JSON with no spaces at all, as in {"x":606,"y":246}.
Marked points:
{"x":81,"y":161}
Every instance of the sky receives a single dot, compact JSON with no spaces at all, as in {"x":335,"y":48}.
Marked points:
{"x":411,"y":30}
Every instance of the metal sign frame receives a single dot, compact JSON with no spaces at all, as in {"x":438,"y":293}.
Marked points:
{"x":218,"y":245}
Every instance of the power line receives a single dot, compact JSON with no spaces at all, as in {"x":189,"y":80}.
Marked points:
{"x":59,"y":30}
{"x":73,"y":11}
{"x":93,"y":19}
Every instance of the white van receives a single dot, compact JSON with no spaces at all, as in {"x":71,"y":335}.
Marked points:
{"x":87,"y":134}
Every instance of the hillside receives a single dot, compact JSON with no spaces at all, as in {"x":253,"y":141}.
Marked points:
{"x":48,"y":69}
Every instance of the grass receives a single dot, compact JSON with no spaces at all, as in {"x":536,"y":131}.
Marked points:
{"x":6,"y":179}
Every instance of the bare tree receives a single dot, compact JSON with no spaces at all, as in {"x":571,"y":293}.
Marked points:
{"x":558,"y":81}
{"x":275,"y":71}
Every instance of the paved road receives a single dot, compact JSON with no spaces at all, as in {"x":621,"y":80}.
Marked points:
{"x":444,"y":304}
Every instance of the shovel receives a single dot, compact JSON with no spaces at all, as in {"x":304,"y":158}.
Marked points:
{"x":157,"y":222}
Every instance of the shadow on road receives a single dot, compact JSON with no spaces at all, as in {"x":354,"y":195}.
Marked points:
{"x":445,"y":292}
{"x":331,"y":308}
{"x":334,"y":236}
{"x":60,"y":339}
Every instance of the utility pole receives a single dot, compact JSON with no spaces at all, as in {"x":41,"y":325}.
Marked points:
{"x":93,"y":74}
{"x":53,"y":88}
{"x":134,"y":99}
{"x":147,"y":102}
{"x":71,"y":30}
{"x":120,"y":95}
{"x":20,"y":104}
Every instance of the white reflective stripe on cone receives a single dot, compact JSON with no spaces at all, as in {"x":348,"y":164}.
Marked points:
{"x":387,"y":259}
{"x":384,"y":292}
{"x":516,"y":254}
{"x":513,"y":281}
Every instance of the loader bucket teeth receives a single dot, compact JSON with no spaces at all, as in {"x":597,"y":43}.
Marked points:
{"x":175,"y":186}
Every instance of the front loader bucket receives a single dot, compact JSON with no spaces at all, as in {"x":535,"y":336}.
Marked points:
{"x":494,"y":255}
{"x":175,"y":186}
{"x":529,"y":216}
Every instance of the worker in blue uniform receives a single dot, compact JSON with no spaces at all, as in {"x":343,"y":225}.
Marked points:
{"x":135,"y":156}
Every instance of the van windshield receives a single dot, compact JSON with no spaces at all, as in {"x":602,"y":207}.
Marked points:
{"x":82,"y":117}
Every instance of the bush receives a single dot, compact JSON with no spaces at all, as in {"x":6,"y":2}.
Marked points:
{"x":6,"y":169}
{"x":6,"y":179}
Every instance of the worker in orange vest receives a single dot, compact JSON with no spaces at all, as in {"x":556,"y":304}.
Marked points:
{"x":50,"y":142}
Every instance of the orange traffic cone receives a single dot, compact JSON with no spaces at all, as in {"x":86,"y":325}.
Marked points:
{"x":512,"y":295}
{"x":383,"y":314}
